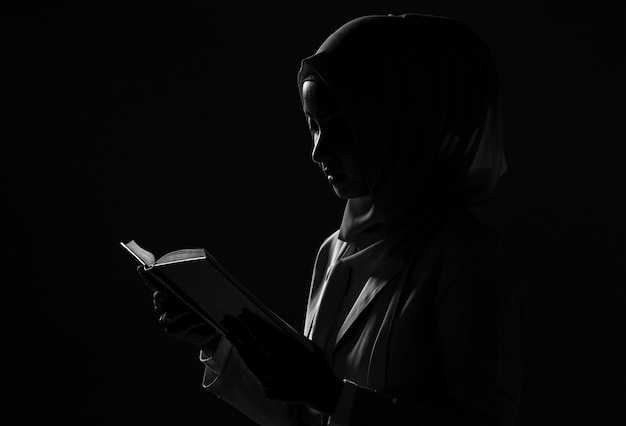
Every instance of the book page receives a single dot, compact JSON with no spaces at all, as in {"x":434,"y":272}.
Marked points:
{"x":142,"y":255}
{"x":181,"y":255}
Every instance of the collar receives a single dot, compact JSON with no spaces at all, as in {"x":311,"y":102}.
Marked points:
{"x":381,"y":259}
{"x":387,"y":256}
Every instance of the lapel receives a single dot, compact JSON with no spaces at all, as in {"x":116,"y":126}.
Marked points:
{"x":371,"y":289}
{"x":326,"y":302}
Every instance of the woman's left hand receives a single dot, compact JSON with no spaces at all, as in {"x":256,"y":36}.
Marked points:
{"x":287,"y":370}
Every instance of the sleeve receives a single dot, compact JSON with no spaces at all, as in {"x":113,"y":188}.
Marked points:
{"x":228,"y":378}
{"x":214,"y":364}
{"x":477,"y":324}
{"x":341,"y":416}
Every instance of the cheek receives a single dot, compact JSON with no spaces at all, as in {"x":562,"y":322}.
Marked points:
{"x":355,"y":170}
{"x":353,"y":165}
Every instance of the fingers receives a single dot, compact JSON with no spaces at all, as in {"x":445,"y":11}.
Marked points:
{"x":174,"y":315}
{"x":187,"y":324}
{"x":181,"y":322}
{"x":177,"y":318}
{"x":164,"y":301}
{"x":190,"y":328}
{"x":159,"y":298}
{"x":164,"y":320}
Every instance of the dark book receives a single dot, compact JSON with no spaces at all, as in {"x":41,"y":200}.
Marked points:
{"x":196,"y":278}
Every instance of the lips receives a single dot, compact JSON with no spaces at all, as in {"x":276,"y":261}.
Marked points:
{"x":333,"y":176}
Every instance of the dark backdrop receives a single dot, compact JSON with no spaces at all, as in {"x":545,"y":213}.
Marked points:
{"x":181,"y":126}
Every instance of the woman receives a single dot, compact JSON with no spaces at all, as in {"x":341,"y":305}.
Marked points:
{"x":414,"y":307}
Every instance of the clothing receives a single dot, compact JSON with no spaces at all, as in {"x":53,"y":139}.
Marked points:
{"x":436,"y":331}
{"x":425,"y":319}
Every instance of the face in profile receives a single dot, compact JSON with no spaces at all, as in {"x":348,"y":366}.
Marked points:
{"x":333,"y":146}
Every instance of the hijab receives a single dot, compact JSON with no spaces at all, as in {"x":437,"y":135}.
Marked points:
{"x":420,"y":94}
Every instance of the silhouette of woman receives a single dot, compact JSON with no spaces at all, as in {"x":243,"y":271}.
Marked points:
{"x":414,"y":306}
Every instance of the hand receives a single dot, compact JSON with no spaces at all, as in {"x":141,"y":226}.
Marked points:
{"x":287,"y":370}
{"x":179,"y":320}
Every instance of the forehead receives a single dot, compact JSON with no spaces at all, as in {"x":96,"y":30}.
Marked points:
{"x":318,"y":98}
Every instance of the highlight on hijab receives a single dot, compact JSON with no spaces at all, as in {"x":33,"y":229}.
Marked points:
{"x":428,"y":129}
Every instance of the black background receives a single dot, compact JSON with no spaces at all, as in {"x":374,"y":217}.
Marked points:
{"x":180,"y":126}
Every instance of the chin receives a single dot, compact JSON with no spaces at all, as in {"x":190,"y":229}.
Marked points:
{"x":341,"y":194}
{"x":346,"y":193}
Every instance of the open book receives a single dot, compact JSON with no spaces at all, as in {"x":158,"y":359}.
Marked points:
{"x":196,"y":278}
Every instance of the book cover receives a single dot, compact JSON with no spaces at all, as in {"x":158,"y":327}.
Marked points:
{"x":196,"y":278}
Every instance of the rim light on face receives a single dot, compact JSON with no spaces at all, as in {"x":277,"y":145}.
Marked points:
{"x":333,"y":149}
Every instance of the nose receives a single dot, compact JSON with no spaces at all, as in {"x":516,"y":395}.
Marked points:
{"x":321,"y":150}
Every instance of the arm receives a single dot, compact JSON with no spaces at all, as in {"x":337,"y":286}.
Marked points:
{"x":225,"y":374}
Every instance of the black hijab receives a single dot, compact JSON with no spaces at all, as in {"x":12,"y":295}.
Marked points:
{"x":427,"y":128}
